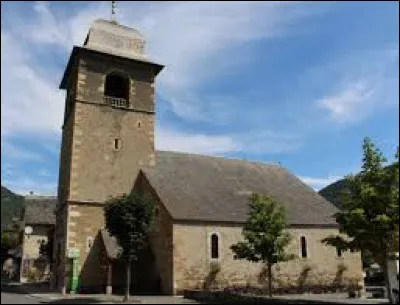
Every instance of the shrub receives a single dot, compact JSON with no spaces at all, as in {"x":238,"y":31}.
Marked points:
{"x":33,"y":275}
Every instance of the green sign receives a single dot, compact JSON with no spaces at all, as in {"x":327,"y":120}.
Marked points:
{"x":75,"y":275}
{"x":74,"y":253}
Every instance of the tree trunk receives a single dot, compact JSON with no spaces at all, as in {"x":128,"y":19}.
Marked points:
{"x":387,"y":281}
{"x":269,"y":267}
{"x":128,"y":279}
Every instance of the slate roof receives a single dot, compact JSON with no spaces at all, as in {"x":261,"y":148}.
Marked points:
{"x":107,"y":37}
{"x":40,"y":210}
{"x":214,"y":189}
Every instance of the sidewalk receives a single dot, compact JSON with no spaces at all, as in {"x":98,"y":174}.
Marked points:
{"x":341,"y":298}
{"x":42,"y":293}
{"x":58,"y":298}
{"x":106,"y":299}
{"x":336,"y":298}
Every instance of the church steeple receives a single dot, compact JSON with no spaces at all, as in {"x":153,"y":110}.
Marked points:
{"x":110,"y":81}
{"x":107,"y":136}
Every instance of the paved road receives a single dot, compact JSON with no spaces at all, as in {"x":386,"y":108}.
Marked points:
{"x":15,"y":298}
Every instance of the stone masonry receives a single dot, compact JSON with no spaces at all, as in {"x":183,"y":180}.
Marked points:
{"x":191,"y":255}
{"x":91,"y":169}
{"x":161,"y":237}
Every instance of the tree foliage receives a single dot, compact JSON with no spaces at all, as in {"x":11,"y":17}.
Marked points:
{"x":265,"y":234}
{"x":11,"y":207}
{"x":129,"y":219}
{"x":46,"y":248}
{"x":370,"y":211}
{"x":9,"y":240}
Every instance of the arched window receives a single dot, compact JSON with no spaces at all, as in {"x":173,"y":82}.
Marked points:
{"x":116,"y":90}
{"x":303,"y":245}
{"x":214,"y":246}
{"x":339,"y":252}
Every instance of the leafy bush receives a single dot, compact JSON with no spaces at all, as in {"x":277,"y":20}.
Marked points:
{"x":33,"y":275}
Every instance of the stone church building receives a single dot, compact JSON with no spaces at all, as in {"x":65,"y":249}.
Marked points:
{"x":202,"y":201}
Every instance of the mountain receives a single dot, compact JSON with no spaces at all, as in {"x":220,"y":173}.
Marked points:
{"x":11,"y":206}
{"x":333,"y":192}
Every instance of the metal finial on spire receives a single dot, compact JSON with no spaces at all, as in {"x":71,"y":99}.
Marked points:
{"x":113,"y":6}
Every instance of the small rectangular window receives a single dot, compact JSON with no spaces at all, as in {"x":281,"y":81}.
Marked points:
{"x":117,"y":144}
{"x":214,"y":246}
{"x":303,"y":244}
{"x":339,"y":252}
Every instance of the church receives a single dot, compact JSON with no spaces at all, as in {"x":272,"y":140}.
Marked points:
{"x":202,"y":201}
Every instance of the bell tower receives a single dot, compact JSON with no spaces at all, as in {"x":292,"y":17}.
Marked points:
{"x":107,"y":135}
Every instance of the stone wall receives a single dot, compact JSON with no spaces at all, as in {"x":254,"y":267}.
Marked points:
{"x":61,"y":267}
{"x":60,"y":245}
{"x":35,"y":267}
{"x":32,"y":242}
{"x":161,"y":237}
{"x":192,"y":260}
{"x":66,"y":149}
{"x":98,"y":170}
{"x":84,"y":224}
{"x":91,"y":168}
{"x":94,"y":67}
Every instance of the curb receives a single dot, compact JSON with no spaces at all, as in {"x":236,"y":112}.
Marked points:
{"x":228,"y":298}
{"x":43,"y":298}
{"x":50,"y":298}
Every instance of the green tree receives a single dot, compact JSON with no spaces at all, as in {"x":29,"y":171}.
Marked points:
{"x":9,"y":240}
{"x":129,"y":219}
{"x":370,"y":212}
{"x":265,"y":234}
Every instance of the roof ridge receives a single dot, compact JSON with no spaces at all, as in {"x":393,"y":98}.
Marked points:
{"x":116,"y":24}
{"x":223,"y":158}
{"x":39,"y":197}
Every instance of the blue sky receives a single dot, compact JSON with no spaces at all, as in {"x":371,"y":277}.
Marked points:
{"x":298,"y":83}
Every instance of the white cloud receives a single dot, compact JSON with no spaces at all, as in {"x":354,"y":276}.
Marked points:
{"x":265,"y":141}
{"x":256,"y":142}
{"x":360,"y":86}
{"x":202,"y":43}
{"x":30,"y":102}
{"x":47,"y":29}
{"x":203,"y":34}
{"x":319,"y":183}
{"x":14,"y":152}
{"x":24,"y":185}
{"x":194,"y":143}
{"x":345,"y":104}
{"x":200,"y":38}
